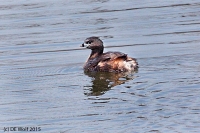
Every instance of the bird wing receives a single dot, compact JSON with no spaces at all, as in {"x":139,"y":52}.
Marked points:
{"x":112,"y":56}
{"x":111,"y":61}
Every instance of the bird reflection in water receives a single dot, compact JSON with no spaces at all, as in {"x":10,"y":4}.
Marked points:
{"x":104,"y":81}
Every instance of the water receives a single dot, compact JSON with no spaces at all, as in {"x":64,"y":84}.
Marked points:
{"x":42,"y":83}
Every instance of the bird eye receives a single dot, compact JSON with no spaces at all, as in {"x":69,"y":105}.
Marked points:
{"x":88,"y":42}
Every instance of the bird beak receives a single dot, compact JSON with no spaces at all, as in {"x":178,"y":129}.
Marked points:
{"x":85,"y":45}
{"x":82,"y":45}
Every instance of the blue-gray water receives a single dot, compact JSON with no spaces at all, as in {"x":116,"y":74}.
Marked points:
{"x":42,"y":83}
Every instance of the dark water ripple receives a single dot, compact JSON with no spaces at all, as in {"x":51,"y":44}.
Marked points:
{"x":42,"y":83}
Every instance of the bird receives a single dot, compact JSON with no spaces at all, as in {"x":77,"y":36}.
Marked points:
{"x":106,"y":62}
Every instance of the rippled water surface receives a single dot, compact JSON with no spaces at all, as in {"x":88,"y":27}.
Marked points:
{"x":42,"y":83}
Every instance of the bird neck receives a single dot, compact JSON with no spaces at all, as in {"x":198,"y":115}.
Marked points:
{"x":95,"y":53}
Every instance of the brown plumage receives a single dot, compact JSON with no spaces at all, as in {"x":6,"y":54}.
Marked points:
{"x":109,"y":61}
